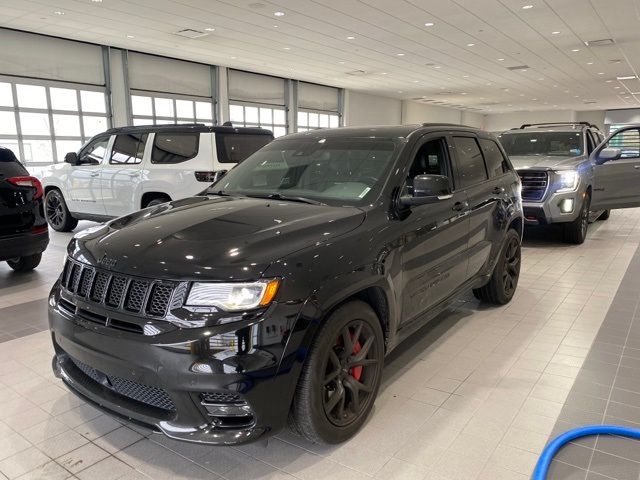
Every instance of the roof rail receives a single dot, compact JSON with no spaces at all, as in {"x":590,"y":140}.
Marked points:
{"x":548,"y":124}
{"x":438,"y":124}
{"x":170,"y":126}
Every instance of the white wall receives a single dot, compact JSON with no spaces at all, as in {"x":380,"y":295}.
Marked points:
{"x":414,"y":112}
{"x":362,"y":109}
{"x":505,"y":121}
{"x":473,"y":119}
{"x":596,"y":117}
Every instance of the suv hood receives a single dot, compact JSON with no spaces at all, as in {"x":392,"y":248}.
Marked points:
{"x":214,"y":238}
{"x":544,"y":162}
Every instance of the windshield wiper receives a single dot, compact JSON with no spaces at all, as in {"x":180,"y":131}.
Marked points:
{"x":286,"y":198}
{"x":220,"y":193}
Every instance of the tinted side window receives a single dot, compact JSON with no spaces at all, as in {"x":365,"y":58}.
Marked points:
{"x":470,"y":163}
{"x":174,"y":147}
{"x":235,"y":147}
{"x":431,"y":159}
{"x":628,"y":141}
{"x":128,"y":149}
{"x":94,"y":152}
{"x":496,"y":163}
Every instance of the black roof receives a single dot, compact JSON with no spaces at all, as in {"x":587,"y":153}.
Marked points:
{"x":189,"y":127}
{"x":382,"y":131}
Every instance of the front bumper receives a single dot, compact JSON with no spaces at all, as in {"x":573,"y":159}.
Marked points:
{"x":238,"y":394}
{"x":23,"y":244}
{"x":550,"y":209}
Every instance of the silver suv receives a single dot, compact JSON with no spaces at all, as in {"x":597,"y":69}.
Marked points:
{"x":556,"y":164}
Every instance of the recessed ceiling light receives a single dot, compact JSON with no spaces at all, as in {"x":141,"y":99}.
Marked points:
{"x":58,"y":12}
{"x":608,"y":81}
{"x":522,"y":94}
{"x":527,"y":7}
{"x":275,"y":26}
{"x":279,"y":14}
{"x":465,"y":76}
{"x":463,"y":93}
{"x":341,"y":63}
{"x":534,"y":99}
{"x":635,"y":93}
{"x":600,"y":73}
{"x":400,"y":91}
{"x":351,"y":38}
{"x":616,"y":86}
{"x":429,"y":24}
{"x":415,"y":81}
{"x":383,"y":73}
{"x":437,"y":66}
{"x":400,"y":54}
{"x":501,"y":59}
{"x":576,"y":96}
{"x":286,"y":48}
{"x":628,"y":77}
{"x":555,"y":86}
{"x":130,"y":36}
{"x":233,"y":58}
{"x":575,"y":50}
{"x":555,"y":33}
{"x":209,"y":29}
{"x":471,"y":44}
{"x":541,"y":78}
{"x":96,"y":1}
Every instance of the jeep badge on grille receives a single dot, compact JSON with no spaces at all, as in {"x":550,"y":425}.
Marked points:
{"x":107,"y":262}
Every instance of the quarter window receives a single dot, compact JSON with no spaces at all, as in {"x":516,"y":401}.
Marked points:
{"x":496,"y":163}
{"x":174,"y":147}
{"x":235,"y":147}
{"x":471,"y":169}
{"x":128,"y":149}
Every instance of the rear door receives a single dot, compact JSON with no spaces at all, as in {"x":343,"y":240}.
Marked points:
{"x":121,"y":177}
{"x":617,"y":182}
{"x":82,"y":190}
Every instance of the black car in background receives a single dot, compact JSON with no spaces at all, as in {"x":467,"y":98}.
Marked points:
{"x":23,"y":228}
{"x":277,"y":294}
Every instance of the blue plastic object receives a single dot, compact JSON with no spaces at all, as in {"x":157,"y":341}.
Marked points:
{"x":542,"y":467}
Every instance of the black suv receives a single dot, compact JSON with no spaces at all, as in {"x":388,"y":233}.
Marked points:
{"x":278,"y":292}
{"x":23,"y":229}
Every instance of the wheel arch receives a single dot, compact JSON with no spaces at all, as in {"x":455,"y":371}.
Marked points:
{"x":152,"y":195}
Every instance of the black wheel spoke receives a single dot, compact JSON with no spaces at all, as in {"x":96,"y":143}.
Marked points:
{"x":363,"y":362}
{"x":362,"y":354}
{"x":331,"y":377}
{"x":335,"y":397}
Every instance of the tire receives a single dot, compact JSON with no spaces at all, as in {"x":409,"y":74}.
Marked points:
{"x":57,"y":213}
{"x":157,"y":201}
{"x":605,"y":215}
{"x":504,"y":278}
{"x":25,"y":264}
{"x":324,"y":408}
{"x":576,"y":232}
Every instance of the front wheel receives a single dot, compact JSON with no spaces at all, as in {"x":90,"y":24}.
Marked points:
{"x":504,"y":279}
{"x":605,"y":215}
{"x":576,"y":232}
{"x":341,"y":376}
{"x":57,"y":213}
{"x":25,"y":264}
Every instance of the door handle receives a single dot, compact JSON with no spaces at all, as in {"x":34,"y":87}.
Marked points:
{"x":133,"y":174}
{"x":459,"y":206}
{"x":95,"y":174}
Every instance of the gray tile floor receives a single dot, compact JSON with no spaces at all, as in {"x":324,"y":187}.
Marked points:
{"x":474,"y":395}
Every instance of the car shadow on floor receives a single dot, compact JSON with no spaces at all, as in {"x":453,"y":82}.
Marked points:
{"x":551,"y":235}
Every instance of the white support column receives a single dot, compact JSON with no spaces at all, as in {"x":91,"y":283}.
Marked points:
{"x":119,"y":90}
{"x":223,"y":96}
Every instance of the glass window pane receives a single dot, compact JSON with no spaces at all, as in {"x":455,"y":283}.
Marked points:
{"x":279,"y":117}
{"x":141,"y":105}
{"x":236,"y":113}
{"x":279,"y":131}
{"x":65,"y":146}
{"x":31,"y":96}
{"x":313,"y":120}
{"x":34,"y":123}
{"x":66,"y":125}
{"x":93,"y":101}
{"x":302,"y":119}
{"x":324,"y":121}
{"x":164,"y":122}
{"x":334,"y":121}
{"x":266,"y":116}
{"x":184,"y":108}
{"x":63,"y":99}
{"x":7,"y":123}
{"x":203,"y":110}
{"x":6,"y":97}
{"x":164,"y":107}
{"x":251,"y":114}
{"x":94,"y":125}
{"x":142,"y":121}
{"x":37,"y":151}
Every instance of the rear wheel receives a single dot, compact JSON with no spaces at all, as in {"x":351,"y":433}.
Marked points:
{"x":57,"y":213}
{"x":576,"y":231}
{"x":25,"y":264}
{"x":341,"y":376}
{"x":504,"y":279}
{"x":605,"y":215}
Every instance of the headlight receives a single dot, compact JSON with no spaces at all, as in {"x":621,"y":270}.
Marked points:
{"x":567,"y":180}
{"x":233,"y":297}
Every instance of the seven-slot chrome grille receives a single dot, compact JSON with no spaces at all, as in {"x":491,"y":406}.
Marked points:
{"x":534,"y":184}
{"x":116,"y":291}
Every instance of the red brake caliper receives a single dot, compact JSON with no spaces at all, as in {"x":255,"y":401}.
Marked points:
{"x":356,"y":372}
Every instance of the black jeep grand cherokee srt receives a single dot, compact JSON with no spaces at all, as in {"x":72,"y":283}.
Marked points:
{"x":278,"y":292}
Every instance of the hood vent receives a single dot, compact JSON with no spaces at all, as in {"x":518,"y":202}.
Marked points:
{"x":190,"y":33}
{"x":603,"y":42}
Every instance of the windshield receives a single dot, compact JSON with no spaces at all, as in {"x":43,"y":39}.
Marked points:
{"x":335,"y":171}
{"x":563,"y":144}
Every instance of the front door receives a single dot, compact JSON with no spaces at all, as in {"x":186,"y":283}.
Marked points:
{"x":617,"y":181}
{"x":433,"y":237}
{"x":122,"y":174}
{"x":83,"y":182}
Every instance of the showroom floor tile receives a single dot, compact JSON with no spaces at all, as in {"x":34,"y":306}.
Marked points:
{"x":473,"y":395}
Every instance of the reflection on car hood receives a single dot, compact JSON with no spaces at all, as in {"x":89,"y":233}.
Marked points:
{"x":544,"y":162}
{"x":211,"y":237}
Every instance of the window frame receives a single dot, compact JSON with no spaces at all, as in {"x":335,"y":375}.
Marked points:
{"x":307,"y":128}
{"x":49,"y":111}
{"x":504,"y":163}
{"x":93,"y":140}
{"x":267,"y":126}
{"x":174,"y":119}
{"x":144,"y":138}
{"x":456,"y":160}
{"x":421,"y":142}
{"x":186,"y":159}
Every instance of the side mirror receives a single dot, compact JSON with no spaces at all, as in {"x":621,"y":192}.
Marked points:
{"x":607,"y":154}
{"x":210,"y":177}
{"x":71,"y":158}
{"x":428,"y":189}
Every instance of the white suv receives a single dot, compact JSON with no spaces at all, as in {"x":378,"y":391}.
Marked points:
{"x":125,"y":169}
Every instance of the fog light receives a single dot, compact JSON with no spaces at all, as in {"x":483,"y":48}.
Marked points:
{"x":217,"y":410}
{"x":566,"y":205}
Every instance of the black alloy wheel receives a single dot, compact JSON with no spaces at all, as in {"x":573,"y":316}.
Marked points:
{"x":511,"y":268}
{"x":57,"y":213}
{"x":503,"y":282}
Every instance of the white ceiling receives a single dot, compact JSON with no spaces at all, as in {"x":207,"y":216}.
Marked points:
{"x":310,"y":42}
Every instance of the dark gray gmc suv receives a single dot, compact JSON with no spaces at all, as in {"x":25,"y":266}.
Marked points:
{"x":276,"y":294}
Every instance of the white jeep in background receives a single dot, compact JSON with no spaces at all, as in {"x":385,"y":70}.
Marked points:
{"x":125,"y":169}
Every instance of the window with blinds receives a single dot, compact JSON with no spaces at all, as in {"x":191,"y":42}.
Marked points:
{"x":628,"y":141}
